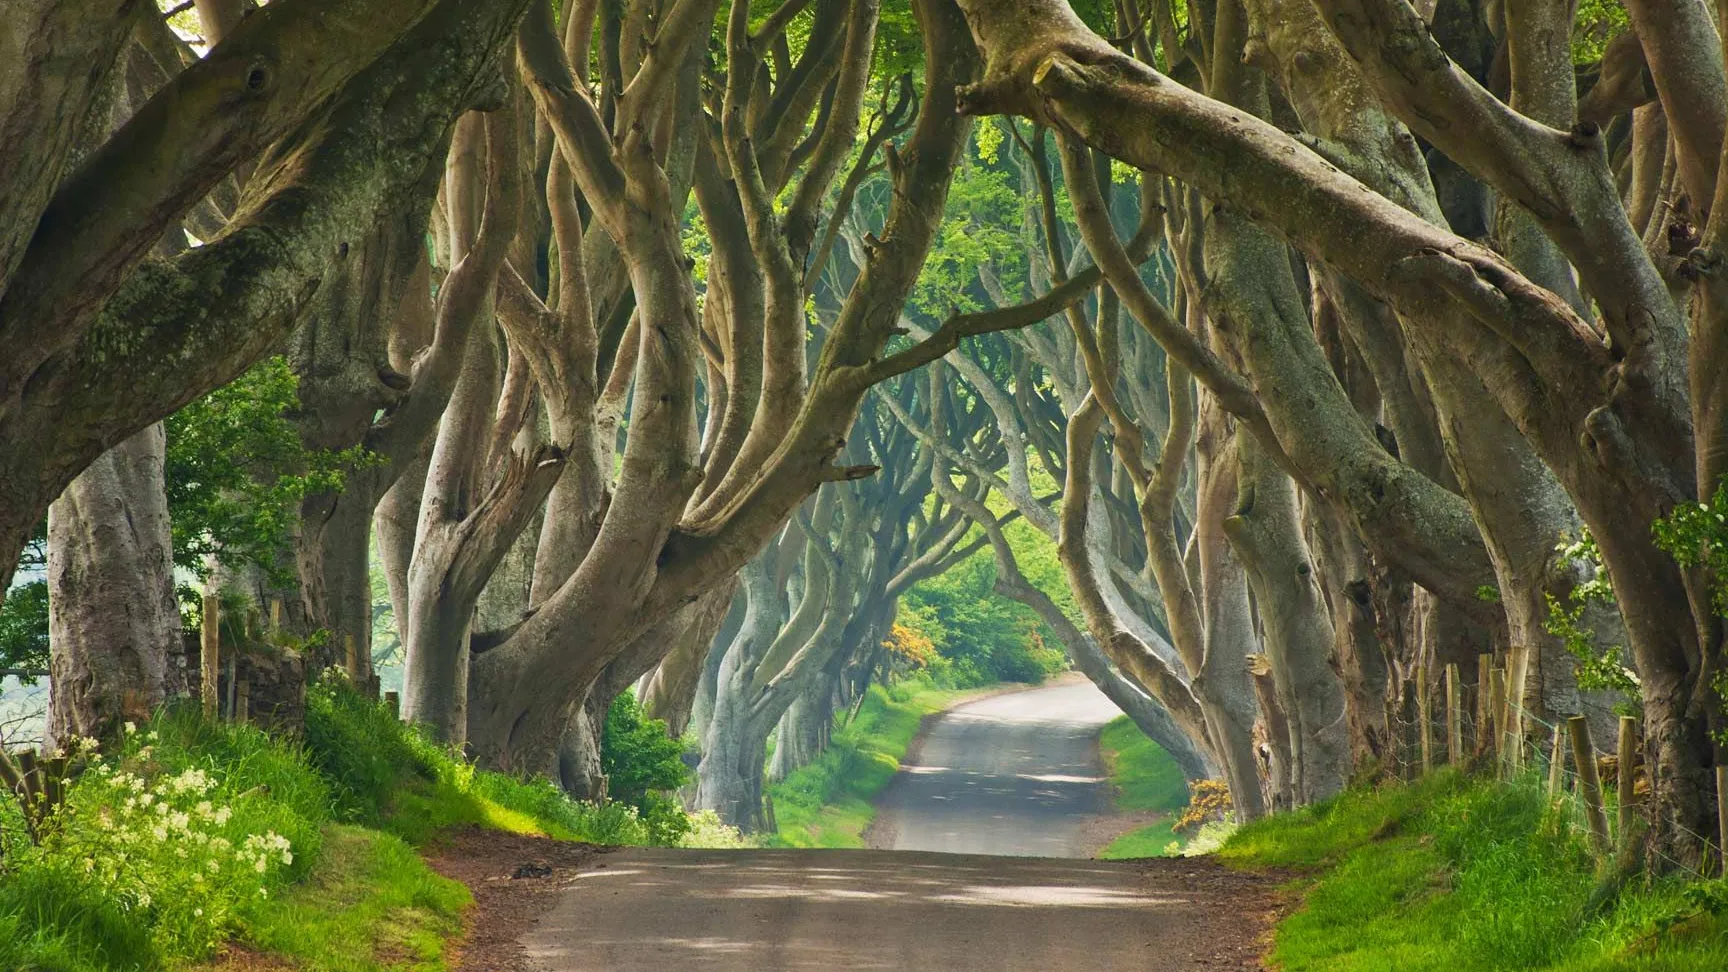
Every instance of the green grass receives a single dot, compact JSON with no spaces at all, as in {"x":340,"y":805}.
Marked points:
{"x":388,"y":776}
{"x":1457,"y":873}
{"x":354,"y":798}
{"x":1145,"y":778}
{"x":827,"y":803}
{"x":370,"y":902}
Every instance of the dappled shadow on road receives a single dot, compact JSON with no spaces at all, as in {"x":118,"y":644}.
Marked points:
{"x":797,"y":910}
{"x":1017,"y":775}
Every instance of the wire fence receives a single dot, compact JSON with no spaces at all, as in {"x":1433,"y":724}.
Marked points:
{"x":1603,"y":797}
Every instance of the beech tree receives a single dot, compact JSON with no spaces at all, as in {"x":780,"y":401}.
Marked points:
{"x":822,"y":597}
{"x":116,"y":321}
{"x":1330,"y":342}
{"x":1601,"y":397}
{"x":622,"y":553}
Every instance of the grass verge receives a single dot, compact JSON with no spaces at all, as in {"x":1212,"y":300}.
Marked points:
{"x":301,"y":851}
{"x":1460,"y":873}
{"x":1146,"y":780}
{"x":370,"y":902}
{"x":828,"y":803}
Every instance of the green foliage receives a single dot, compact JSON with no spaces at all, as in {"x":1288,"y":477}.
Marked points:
{"x":988,"y":138}
{"x":1696,"y":535}
{"x":24,"y":628}
{"x":236,"y":471}
{"x":364,"y":751}
{"x":1598,"y":668}
{"x":163,"y":849}
{"x":980,"y":637}
{"x":1596,"y":23}
{"x":386,"y":633}
{"x":642,"y":762}
{"x":1454,"y":873}
{"x":979,"y":226}
{"x":637,"y":754}
{"x":389,"y":775}
{"x":827,"y":803}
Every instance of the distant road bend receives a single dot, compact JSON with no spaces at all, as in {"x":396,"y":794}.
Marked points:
{"x":1014,"y":774}
{"x":1011,"y":775}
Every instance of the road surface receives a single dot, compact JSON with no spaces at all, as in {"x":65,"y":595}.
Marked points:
{"x":657,"y":910}
{"x":1014,"y":774}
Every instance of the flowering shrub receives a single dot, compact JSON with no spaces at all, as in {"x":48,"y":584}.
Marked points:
{"x":707,"y":830}
{"x":1208,"y":801}
{"x":165,"y":849}
{"x":173,"y":841}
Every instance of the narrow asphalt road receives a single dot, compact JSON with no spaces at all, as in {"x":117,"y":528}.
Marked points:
{"x":1013,"y":774}
{"x":657,"y":910}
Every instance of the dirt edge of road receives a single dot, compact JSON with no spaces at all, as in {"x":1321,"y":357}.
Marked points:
{"x":515,"y":879}
{"x":1261,"y":899}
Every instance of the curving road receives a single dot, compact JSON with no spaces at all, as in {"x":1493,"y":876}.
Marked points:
{"x":1013,"y":774}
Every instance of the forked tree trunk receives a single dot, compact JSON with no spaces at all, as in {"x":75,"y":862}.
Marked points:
{"x":1267,"y":537}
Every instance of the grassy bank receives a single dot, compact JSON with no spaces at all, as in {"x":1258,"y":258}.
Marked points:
{"x":192,"y":835}
{"x":1454,"y":873}
{"x":1145,"y":780}
{"x":828,"y":803}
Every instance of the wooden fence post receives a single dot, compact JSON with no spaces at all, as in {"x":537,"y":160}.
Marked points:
{"x":1454,"y":718}
{"x":1497,"y":712}
{"x":1556,"y":766}
{"x":242,"y":701}
{"x":1424,"y":718}
{"x":1484,"y":700}
{"x":1722,"y":814}
{"x":1589,"y":783}
{"x":233,"y":671}
{"x":210,"y":653}
{"x":1394,"y":740}
{"x":393,"y":700}
{"x":1628,"y":750}
{"x":1514,"y":731}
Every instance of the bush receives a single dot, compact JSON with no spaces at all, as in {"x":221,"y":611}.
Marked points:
{"x":162,"y":848}
{"x":637,"y":754}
